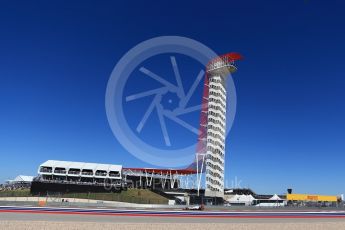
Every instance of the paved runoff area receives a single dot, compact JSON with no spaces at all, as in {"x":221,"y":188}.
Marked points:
{"x":71,"y":218}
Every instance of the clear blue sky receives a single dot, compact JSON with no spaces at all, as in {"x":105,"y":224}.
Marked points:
{"x":56,"y":58}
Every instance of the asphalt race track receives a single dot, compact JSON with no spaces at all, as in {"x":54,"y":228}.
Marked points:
{"x":13,"y":213}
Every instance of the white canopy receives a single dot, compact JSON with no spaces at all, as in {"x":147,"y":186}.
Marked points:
{"x":275,"y":197}
{"x":21,"y":179}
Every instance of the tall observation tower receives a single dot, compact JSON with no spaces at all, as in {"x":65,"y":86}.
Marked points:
{"x":210,"y":153}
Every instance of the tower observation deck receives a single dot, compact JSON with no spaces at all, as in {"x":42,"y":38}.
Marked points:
{"x":210,"y":154}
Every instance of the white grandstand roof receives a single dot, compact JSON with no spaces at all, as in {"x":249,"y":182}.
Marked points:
{"x":81,"y":165}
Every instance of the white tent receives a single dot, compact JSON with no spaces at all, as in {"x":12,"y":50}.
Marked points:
{"x":21,"y":179}
{"x":275,"y":197}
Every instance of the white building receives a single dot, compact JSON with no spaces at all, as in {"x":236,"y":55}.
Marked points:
{"x":245,"y":200}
